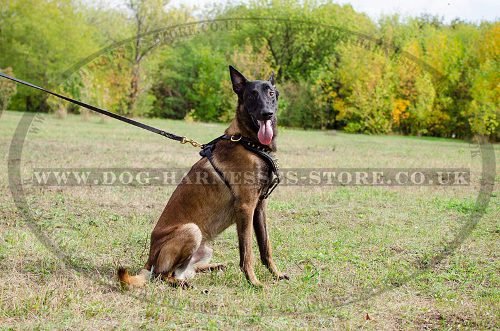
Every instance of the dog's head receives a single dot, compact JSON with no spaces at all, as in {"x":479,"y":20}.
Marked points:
{"x":257,"y":105}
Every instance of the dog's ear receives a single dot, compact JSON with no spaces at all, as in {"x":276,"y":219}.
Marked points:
{"x":237,"y":79}
{"x":271,"y":79}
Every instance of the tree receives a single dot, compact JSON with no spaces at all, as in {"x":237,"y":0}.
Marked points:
{"x":147,"y":15}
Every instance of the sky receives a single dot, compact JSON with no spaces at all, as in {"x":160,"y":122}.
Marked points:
{"x":472,"y":11}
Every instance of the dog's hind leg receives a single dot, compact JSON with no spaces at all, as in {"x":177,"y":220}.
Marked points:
{"x":176,"y":254}
{"x":203,"y":255}
{"x":201,"y":260}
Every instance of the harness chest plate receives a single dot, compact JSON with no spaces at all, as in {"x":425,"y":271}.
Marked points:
{"x":260,"y":150}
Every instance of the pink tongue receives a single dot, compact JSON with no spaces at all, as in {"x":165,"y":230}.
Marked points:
{"x":265,"y":132}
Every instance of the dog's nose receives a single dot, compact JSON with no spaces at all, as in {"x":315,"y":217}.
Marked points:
{"x":267,"y":114}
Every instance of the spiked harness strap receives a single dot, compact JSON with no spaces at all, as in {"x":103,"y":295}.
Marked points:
{"x":260,"y":150}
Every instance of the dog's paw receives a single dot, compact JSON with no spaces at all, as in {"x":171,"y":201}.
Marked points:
{"x":210,"y":267}
{"x":176,"y":283}
{"x":183,"y":284}
{"x":256,"y":284}
{"x":282,"y":276}
{"x":219,"y":267}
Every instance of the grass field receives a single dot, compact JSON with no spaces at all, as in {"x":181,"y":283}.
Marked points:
{"x":349,"y":251}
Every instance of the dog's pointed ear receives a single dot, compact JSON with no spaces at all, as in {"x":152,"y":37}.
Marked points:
{"x":271,"y":79}
{"x":237,"y":79}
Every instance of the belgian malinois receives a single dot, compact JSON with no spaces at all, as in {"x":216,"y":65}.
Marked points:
{"x":196,"y":214}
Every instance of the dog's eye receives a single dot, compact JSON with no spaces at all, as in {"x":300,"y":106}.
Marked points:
{"x":271,"y":93}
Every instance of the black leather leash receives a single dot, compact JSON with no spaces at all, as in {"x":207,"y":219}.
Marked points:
{"x":165,"y":134}
{"x":207,"y":149}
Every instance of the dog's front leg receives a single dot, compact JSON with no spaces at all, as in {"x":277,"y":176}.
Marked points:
{"x":244,"y":227}
{"x":259,"y":224}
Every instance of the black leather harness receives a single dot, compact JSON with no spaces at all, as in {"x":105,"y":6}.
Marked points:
{"x":260,"y":150}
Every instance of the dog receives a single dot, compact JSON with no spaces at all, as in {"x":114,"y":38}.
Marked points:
{"x":196,"y":214}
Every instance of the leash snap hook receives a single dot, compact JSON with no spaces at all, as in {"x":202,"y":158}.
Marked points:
{"x":191,"y":141}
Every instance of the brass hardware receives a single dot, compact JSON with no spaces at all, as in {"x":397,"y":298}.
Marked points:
{"x":191,"y":141}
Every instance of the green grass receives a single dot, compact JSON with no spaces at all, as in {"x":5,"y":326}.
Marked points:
{"x":350,"y":251}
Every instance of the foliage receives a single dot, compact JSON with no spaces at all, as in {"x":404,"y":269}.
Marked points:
{"x":335,"y":68}
{"x":41,"y":39}
{"x":297,"y":109}
{"x":484,"y":108}
{"x":190,"y":81}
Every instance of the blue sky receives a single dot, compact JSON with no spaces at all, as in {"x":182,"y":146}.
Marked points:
{"x":473,"y":11}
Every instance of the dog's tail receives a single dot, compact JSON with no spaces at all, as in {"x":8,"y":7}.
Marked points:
{"x":133,"y":281}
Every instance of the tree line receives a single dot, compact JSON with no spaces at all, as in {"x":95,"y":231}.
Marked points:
{"x":336,"y":68}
